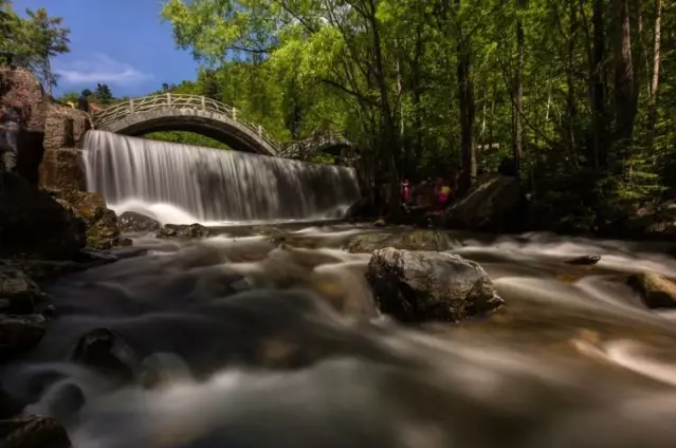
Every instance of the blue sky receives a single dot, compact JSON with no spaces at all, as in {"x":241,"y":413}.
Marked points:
{"x":122,"y":43}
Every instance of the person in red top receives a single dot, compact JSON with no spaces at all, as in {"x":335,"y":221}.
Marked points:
{"x":405,"y":191}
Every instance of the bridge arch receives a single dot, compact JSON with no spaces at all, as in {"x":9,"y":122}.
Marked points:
{"x":193,"y":113}
{"x":205,"y":116}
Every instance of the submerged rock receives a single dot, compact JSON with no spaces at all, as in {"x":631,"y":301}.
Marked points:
{"x":137,"y":222}
{"x":417,"y":286}
{"x":585,"y":260}
{"x":18,"y":292}
{"x":106,"y":352}
{"x":33,"y":225}
{"x":182,"y":231}
{"x":33,"y":431}
{"x":655,"y":290}
{"x":427,"y":240}
{"x":19,"y":334}
{"x":101,"y":222}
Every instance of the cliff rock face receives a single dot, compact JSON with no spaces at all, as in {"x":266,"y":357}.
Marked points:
{"x":20,"y":91}
{"x":100,"y":221}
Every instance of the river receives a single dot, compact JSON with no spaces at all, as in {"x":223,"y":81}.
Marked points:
{"x":264,"y":346}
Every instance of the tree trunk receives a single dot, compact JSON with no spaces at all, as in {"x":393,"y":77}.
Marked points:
{"x":600,"y":152}
{"x":388,"y":141}
{"x":570,"y":102}
{"x":626,"y":95}
{"x":518,"y":88}
{"x":467,"y":113}
{"x":655,"y":78}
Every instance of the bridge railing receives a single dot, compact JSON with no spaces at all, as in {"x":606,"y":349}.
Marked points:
{"x":178,"y":101}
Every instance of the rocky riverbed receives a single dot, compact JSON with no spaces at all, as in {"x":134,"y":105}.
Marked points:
{"x":346,"y":335}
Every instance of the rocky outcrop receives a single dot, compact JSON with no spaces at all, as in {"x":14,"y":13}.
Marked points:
{"x":426,"y":240}
{"x":136,"y":222}
{"x":100,"y":221}
{"x":33,"y":225}
{"x":655,"y":290}
{"x":22,"y":92}
{"x":495,"y":204}
{"x":416,"y":286}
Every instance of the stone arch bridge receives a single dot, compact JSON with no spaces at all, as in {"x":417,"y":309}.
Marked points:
{"x":205,"y":116}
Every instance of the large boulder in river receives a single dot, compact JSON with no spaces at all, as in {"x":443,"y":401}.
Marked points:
{"x":101,"y":222}
{"x":495,"y":204}
{"x":416,"y":286}
{"x":34,"y":225}
{"x":137,"y":222}
{"x":428,"y":240}
{"x":655,"y":290}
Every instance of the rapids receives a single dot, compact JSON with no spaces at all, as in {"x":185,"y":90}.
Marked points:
{"x":282,"y":347}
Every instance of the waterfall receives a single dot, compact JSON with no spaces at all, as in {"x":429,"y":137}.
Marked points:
{"x":183,"y":184}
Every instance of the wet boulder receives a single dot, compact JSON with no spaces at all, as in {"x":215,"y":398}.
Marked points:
{"x":137,"y":222}
{"x":18,"y":292}
{"x":101,"y":222}
{"x":107,"y":353}
{"x":655,"y":291}
{"x":417,"y":286}
{"x":426,"y":240}
{"x":181,"y":231}
{"x":33,"y":225}
{"x":19,"y":334}
{"x":585,"y":260}
{"x":29,"y":431}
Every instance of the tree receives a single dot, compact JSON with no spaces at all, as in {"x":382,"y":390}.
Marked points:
{"x":551,"y":85}
{"x":33,"y":41}
{"x":103,"y":94}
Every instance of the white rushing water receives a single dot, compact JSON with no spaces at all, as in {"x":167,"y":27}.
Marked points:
{"x":183,"y":184}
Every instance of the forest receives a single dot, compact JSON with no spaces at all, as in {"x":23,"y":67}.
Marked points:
{"x":578,"y":95}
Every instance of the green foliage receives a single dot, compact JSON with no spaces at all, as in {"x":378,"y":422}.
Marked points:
{"x":31,"y":42}
{"x":103,"y":94}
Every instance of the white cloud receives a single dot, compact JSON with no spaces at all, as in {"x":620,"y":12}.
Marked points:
{"x":100,"y":69}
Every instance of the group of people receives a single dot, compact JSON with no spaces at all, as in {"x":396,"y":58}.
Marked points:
{"x":9,"y":136}
{"x":435,"y":195}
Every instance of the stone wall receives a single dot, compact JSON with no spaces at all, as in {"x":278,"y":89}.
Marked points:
{"x":50,"y":133}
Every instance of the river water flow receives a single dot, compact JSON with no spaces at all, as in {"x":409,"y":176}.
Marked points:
{"x":237,"y":342}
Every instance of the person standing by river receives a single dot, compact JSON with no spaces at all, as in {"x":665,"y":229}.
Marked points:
{"x":9,"y":132}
